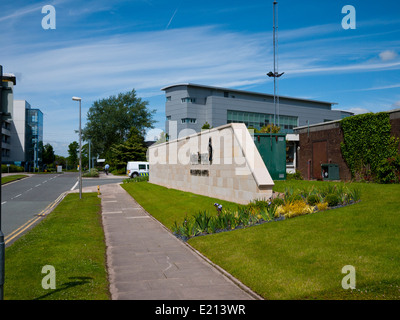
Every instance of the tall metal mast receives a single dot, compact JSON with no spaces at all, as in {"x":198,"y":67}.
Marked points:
{"x":275,"y":74}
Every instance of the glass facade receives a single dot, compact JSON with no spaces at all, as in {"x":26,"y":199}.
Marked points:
{"x":258,"y":120}
{"x":34,"y":138}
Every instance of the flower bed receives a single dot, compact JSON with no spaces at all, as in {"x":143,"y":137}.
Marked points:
{"x":288,"y":205}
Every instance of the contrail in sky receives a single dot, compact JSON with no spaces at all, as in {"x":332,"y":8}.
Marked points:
{"x":172,"y":18}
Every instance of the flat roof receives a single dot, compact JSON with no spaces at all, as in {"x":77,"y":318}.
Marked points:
{"x":243,"y":91}
{"x":10,"y":77}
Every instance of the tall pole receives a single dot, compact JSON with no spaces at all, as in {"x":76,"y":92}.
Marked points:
{"x":276,"y":73}
{"x":274,"y":44}
{"x":277,"y":61}
{"x":2,"y":244}
{"x":89,"y":156}
{"x":80,"y":153}
{"x":80,"y":147}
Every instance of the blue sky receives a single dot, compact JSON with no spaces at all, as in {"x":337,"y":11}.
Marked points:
{"x":100,"y":48}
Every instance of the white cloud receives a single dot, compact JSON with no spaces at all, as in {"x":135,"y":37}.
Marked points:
{"x":388,"y":55}
{"x":358,"y":110}
{"x":396,"y":104}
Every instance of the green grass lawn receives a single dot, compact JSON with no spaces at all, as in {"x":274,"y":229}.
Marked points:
{"x":302,"y":257}
{"x":170,"y":205}
{"x":70,"y":239}
{"x":11,"y":178}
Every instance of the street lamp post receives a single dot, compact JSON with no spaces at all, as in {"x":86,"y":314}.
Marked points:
{"x":2,"y":244}
{"x":275,"y":74}
{"x":80,"y":147}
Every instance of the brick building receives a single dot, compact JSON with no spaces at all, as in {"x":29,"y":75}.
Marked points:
{"x":320,"y":143}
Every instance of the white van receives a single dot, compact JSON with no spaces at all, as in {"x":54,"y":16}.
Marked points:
{"x":137,"y":168}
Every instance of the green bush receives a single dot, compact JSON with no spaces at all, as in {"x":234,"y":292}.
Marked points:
{"x":137,"y":179}
{"x":388,"y":170}
{"x":294,"y":176}
{"x":11,"y":168}
{"x":313,"y":199}
{"x":93,"y":173}
{"x":332,"y":200}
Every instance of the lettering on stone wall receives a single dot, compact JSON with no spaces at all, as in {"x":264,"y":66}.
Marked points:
{"x":197,"y":172}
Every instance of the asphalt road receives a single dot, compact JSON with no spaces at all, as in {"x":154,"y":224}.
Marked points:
{"x":27,"y":201}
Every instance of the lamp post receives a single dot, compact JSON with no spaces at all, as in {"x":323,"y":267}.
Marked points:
{"x":275,"y":74}
{"x":2,"y":244}
{"x":80,"y":147}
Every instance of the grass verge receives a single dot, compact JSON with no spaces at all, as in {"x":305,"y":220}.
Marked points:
{"x":302,"y":257}
{"x":70,"y":239}
{"x":11,"y":178}
{"x":170,"y":205}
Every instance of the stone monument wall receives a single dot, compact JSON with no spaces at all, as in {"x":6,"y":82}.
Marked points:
{"x":222,"y":163}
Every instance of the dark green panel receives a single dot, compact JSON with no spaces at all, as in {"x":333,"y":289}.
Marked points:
{"x":330,"y":171}
{"x":272,"y":148}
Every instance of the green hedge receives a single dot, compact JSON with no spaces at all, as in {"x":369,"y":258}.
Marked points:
{"x":11,"y":168}
{"x":366,"y":143}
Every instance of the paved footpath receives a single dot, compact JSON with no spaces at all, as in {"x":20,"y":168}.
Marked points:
{"x":145,"y":261}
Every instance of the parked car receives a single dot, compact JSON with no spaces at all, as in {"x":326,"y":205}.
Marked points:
{"x":137,"y":168}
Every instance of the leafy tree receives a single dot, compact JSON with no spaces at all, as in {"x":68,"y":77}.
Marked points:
{"x":206,"y":126}
{"x":60,"y":161}
{"x":133,"y":149}
{"x":110,"y":120}
{"x":73,"y":151}
{"x":48,"y":154}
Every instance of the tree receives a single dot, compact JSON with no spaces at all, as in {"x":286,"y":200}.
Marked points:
{"x":271,"y":128}
{"x":133,"y":149}
{"x":48,"y":154}
{"x":60,"y":161}
{"x":73,"y":150}
{"x":110,"y":120}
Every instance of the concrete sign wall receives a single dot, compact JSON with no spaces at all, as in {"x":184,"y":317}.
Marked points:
{"x":221,"y":163}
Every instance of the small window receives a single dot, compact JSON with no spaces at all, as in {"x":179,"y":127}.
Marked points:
{"x":168,"y":118}
{"x":226,"y":94}
{"x":188,"y":120}
{"x":169,"y":98}
{"x":142,"y":167}
{"x":188,"y":100}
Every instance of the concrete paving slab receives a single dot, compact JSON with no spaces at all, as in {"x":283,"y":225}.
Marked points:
{"x":147,"y":262}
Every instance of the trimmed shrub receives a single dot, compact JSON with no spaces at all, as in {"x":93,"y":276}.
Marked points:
{"x":332,"y":200}
{"x":11,"y":168}
{"x":322,"y":206}
{"x":93,"y":173}
{"x":312,"y":200}
{"x":294,"y":176}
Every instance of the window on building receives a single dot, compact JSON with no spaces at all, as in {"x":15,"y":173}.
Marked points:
{"x":188,"y":120}
{"x":188,"y":100}
{"x":259,"y":120}
{"x":168,"y":118}
{"x":226,"y":94}
{"x":169,"y":98}
{"x":290,"y":148}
